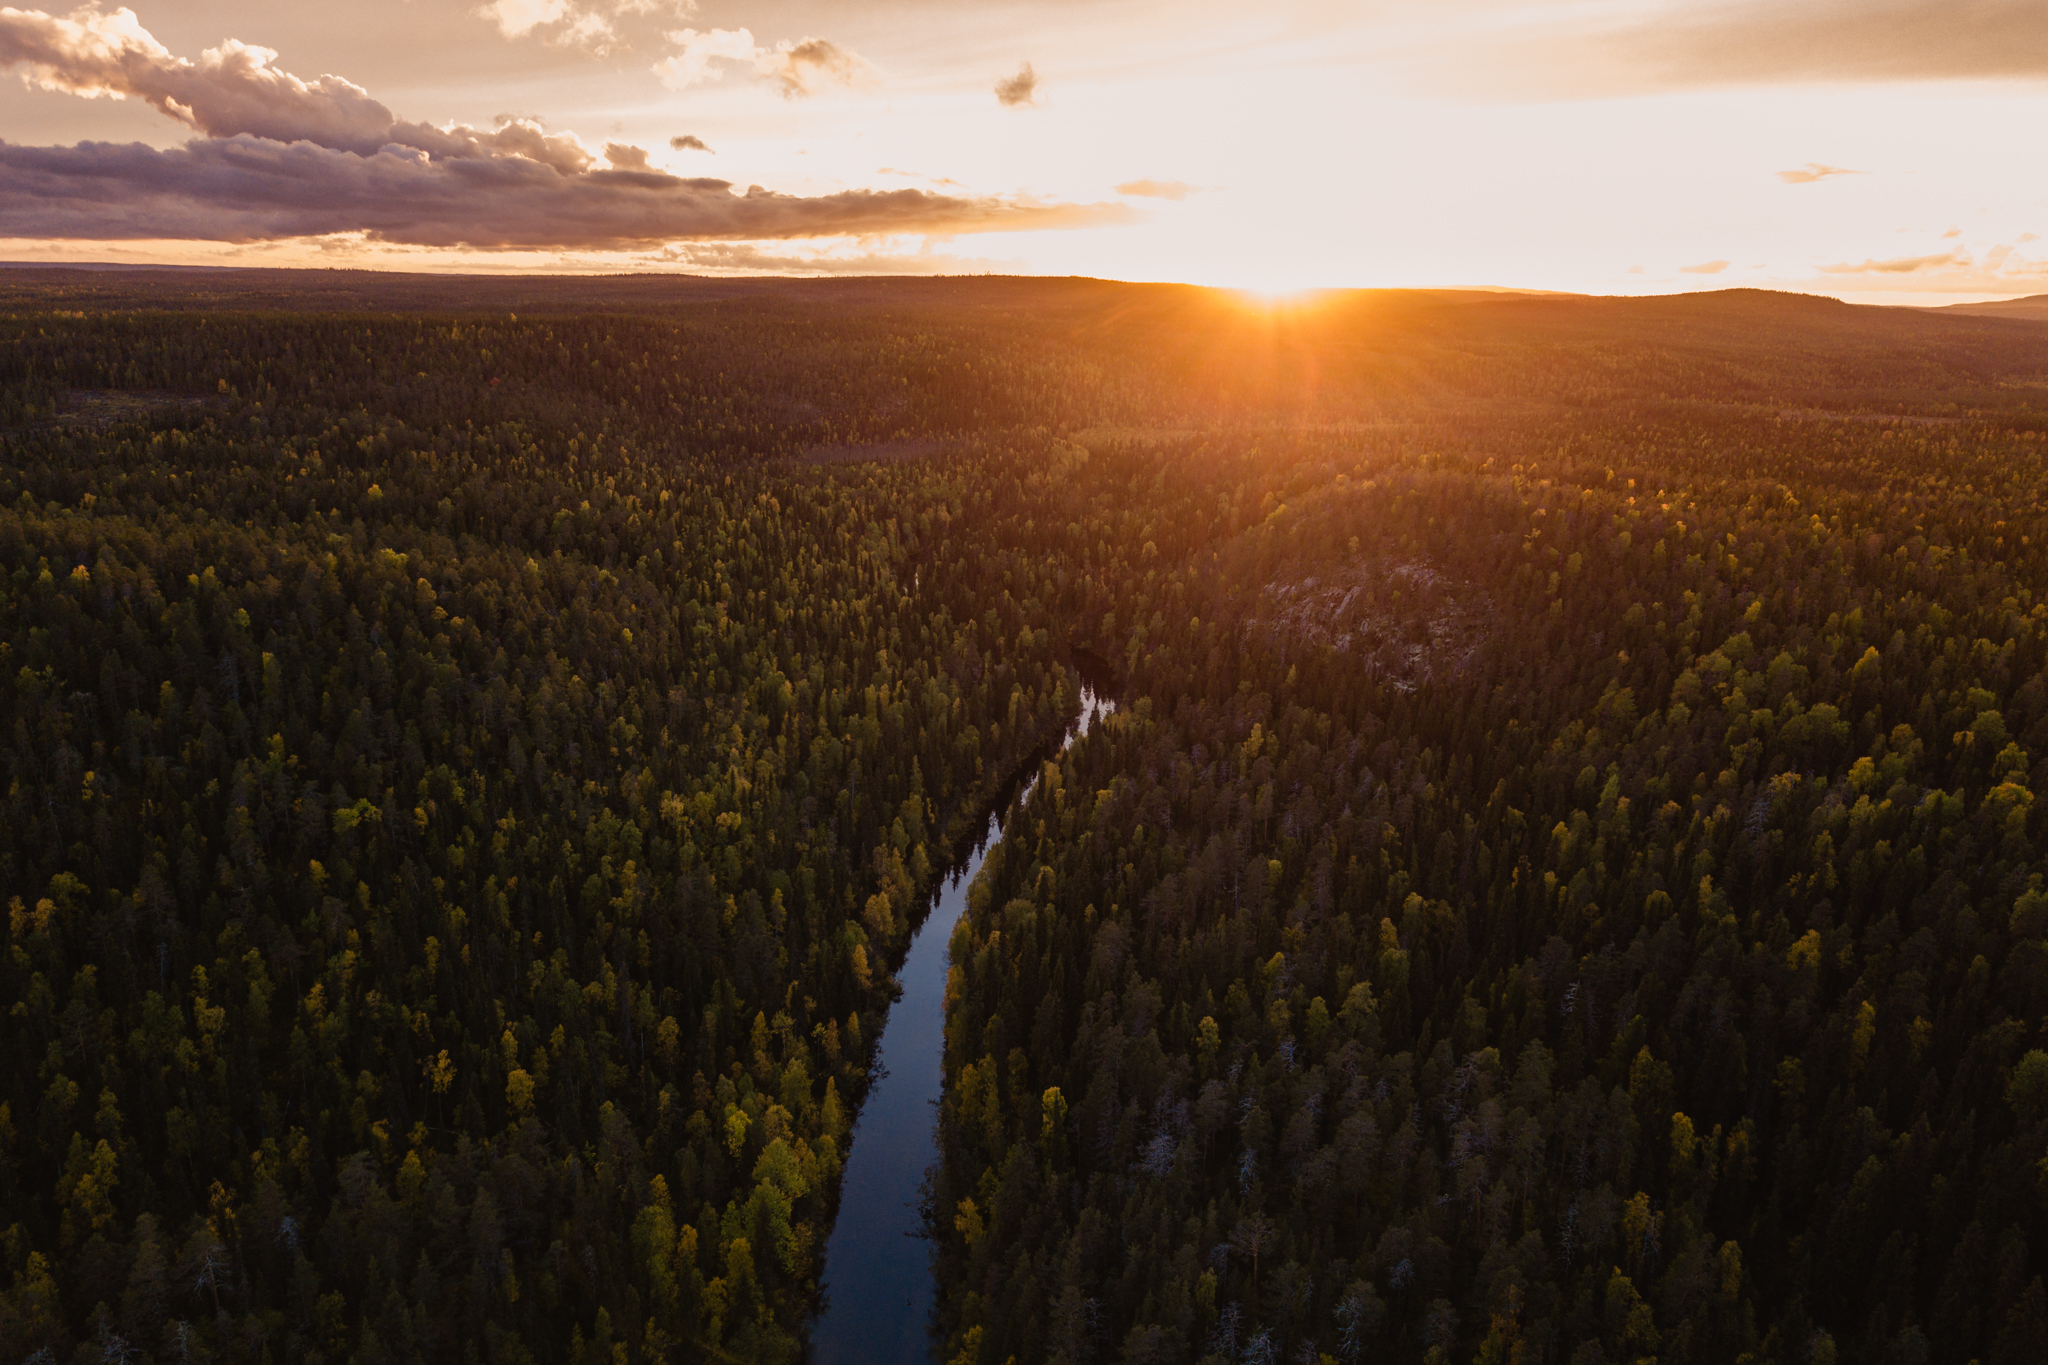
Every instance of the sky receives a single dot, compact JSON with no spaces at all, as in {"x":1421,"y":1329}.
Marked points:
{"x":1874,"y":150}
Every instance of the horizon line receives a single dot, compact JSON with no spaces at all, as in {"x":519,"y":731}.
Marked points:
{"x":790,"y":277}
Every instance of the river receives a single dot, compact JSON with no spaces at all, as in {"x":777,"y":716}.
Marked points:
{"x":878,"y":1276}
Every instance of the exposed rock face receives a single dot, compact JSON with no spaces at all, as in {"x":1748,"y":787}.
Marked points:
{"x":1405,"y":620}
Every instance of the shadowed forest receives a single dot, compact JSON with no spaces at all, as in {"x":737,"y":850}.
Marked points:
{"x":1561,"y":883}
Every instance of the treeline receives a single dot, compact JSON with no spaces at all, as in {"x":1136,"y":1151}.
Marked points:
{"x":726,"y":386}
{"x":786,"y":365}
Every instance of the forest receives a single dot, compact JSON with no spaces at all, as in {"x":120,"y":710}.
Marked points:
{"x":1561,"y":882}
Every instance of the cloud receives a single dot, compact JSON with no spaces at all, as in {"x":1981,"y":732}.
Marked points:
{"x":688,"y":142}
{"x":518,"y":18}
{"x":563,"y":22}
{"x":233,"y":89}
{"x":1812,"y":171}
{"x":1158,"y":189}
{"x":284,"y":157}
{"x":1755,"y":42}
{"x":944,"y":180}
{"x":799,"y":68}
{"x":1902,"y":265}
{"x":246,"y":189}
{"x":1704,"y":268}
{"x":747,"y":258}
{"x":1021,"y":88}
{"x":1852,"y":40}
{"x":690,"y":64}
{"x":230,"y":89}
{"x":2001,"y":272}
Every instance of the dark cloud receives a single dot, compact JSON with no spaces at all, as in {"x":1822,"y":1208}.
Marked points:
{"x":1901,"y":265}
{"x":284,"y":157}
{"x":1157,"y":189}
{"x":800,"y":68}
{"x":688,"y":142}
{"x":246,"y":189}
{"x":1704,"y":268}
{"x":1021,"y":88}
{"x":1812,"y":171}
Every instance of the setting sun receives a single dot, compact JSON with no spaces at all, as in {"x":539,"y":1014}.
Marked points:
{"x":1657,"y":148}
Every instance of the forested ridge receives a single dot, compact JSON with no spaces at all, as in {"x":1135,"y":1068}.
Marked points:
{"x":1561,"y":884}
{"x":1663,"y":978}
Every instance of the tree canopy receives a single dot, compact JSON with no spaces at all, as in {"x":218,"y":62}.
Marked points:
{"x":1562,"y":881}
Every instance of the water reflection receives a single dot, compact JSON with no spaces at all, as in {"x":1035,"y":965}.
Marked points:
{"x":878,"y":1278}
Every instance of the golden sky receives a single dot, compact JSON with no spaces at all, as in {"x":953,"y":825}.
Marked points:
{"x":1876,"y":150}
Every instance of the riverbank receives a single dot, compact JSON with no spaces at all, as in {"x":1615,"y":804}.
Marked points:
{"x":876,"y":1295}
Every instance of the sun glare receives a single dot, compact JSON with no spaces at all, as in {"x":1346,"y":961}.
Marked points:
{"x":1278,"y":299}
{"x":1273,"y":298}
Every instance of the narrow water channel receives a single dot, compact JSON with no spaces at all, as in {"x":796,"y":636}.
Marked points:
{"x":878,"y":1277}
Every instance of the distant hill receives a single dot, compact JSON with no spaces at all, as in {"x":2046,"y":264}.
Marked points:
{"x":1340,"y":352}
{"x":268,"y":289}
{"x":2033,"y":308}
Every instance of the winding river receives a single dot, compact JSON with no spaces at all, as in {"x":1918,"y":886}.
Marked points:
{"x":878,"y":1279}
